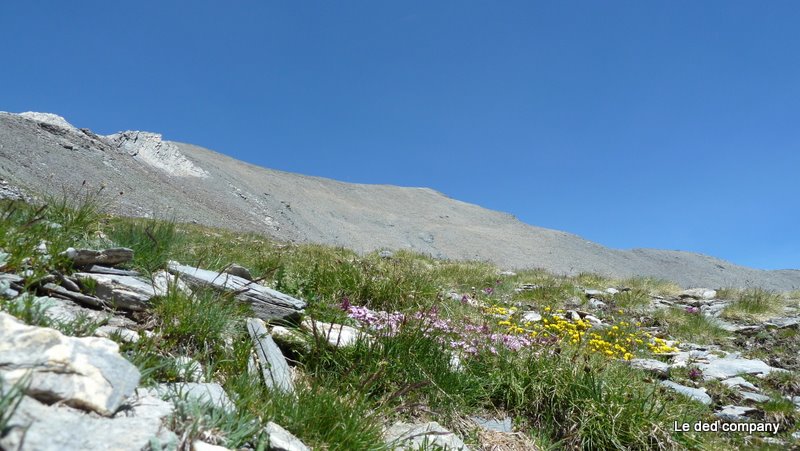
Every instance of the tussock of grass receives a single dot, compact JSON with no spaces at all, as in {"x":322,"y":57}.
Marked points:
{"x":687,"y":326}
{"x":152,"y":241}
{"x":587,"y":403}
{"x":652,"y":285}
{"x":754,"y":304}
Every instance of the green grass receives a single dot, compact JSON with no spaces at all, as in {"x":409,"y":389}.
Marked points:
{"x":10,"y":397}
{"x":556,"y":392}
{"x":754,"y":304}
{"x":693,"y":327}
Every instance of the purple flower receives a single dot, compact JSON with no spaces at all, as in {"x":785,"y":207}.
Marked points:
{"x":464,"y":299}
{"x":692,"y":310}
{"x":695,"y":374}
{"x":488,"y":291}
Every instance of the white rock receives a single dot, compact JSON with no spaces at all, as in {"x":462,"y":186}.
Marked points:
{"x":151,"y":149}
{"x":739,"y":382}
{"x":337,"y":335}
{"x":531,"y":316}
{"x":698,"y":394}
{"x":756,"y":397}
{"x":724,"y":368}
{"x":48,"y":118}
{"x":698,"y":293}
{"x":414,"y":436}
{"x":611,"y":290}
{"x":282,"y":440}
{"x":199,"y":445}
{"x":652,"y":365}
{"x":204,"y":393}
{"x":86,"y":373}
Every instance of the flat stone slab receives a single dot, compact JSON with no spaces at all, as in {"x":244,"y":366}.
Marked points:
{"x":407,"y":436}
{"x":266,"y":303}
{"x":87,"y":373}
{"x":755,"y":397}
{"x":106,"y":257}
{"x":734,"y":413}
{"x":273,"y":365}
{"x":123,"y":292}
{"x":739,"y":381}
{"x":493,"y":424}
{"x":111,"y":271}
{"x":697,"y":394}
{"x":698,"y":293}
{"x":727,"y":367}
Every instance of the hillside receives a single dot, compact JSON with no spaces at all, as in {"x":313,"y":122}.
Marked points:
{"x":151,"y":177}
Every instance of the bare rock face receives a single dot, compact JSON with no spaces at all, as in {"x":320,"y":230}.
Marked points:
{"x":48,"y":118}
{"x":123,"y":292}
{"x":282,"y":440}
{"x":86,"y":373}
{"x":149,"y":148}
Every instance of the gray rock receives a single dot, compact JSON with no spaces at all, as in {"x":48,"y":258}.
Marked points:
{"x":112,"y":271}
{"x":755,"y":397}
{"x":36,"y":426}
{"x":108,"y":257}
{"x":611,"y":291}
{"x":414,"y":436}
{"x":239,"y":271}
{"x":282,"y":440}
{"x":83,"y":299}
{"x":493,"y":424}
{"x":189,"y":369}
{"x":783,"y":323}
{"x":337,"y":335}
{"x":266,"y":303}
{"x":274,"y":368}
{"x":205,"y":393}
{"x":724,"y":368}
{"x":593,"y":293}
{"x":86,"y":373}
{"x":654,"y":366}
{"x":123,"y":292}
{"x":739,"y":382}
{"x":734,"y":413}
{"x":507,"y":273}
{"x":66,"y":311}
{"x":698,"y":293}
{"x":386,"y":254}
{"x":698,"y":394}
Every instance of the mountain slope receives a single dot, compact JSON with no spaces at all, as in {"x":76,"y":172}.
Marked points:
{"x":44,"y":153}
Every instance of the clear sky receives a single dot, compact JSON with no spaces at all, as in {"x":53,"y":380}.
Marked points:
{"x":670,"y":124}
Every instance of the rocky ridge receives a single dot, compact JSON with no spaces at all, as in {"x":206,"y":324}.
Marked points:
{"x":148,"y":176}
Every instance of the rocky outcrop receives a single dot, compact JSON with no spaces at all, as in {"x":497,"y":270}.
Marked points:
{"x":151,"y":149}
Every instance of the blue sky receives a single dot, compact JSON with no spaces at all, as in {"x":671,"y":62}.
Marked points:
{"x":672,"y":125}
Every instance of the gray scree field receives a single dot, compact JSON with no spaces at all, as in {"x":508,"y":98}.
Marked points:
{"x":43,"y":153}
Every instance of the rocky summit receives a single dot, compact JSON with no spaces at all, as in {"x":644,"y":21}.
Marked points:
{"x":148,"y":176}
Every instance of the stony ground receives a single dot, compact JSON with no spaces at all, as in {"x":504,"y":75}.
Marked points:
{"x":144,"y":175}
{"x":124,"y":334}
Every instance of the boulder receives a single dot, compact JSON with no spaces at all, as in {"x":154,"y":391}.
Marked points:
{"x":36,"y":426}
{"x":108,"y":257}
{"x":493,"y":424}
{"x":282,"y":440}
{"x":266,"y":303}
{"x":86,"y":373}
